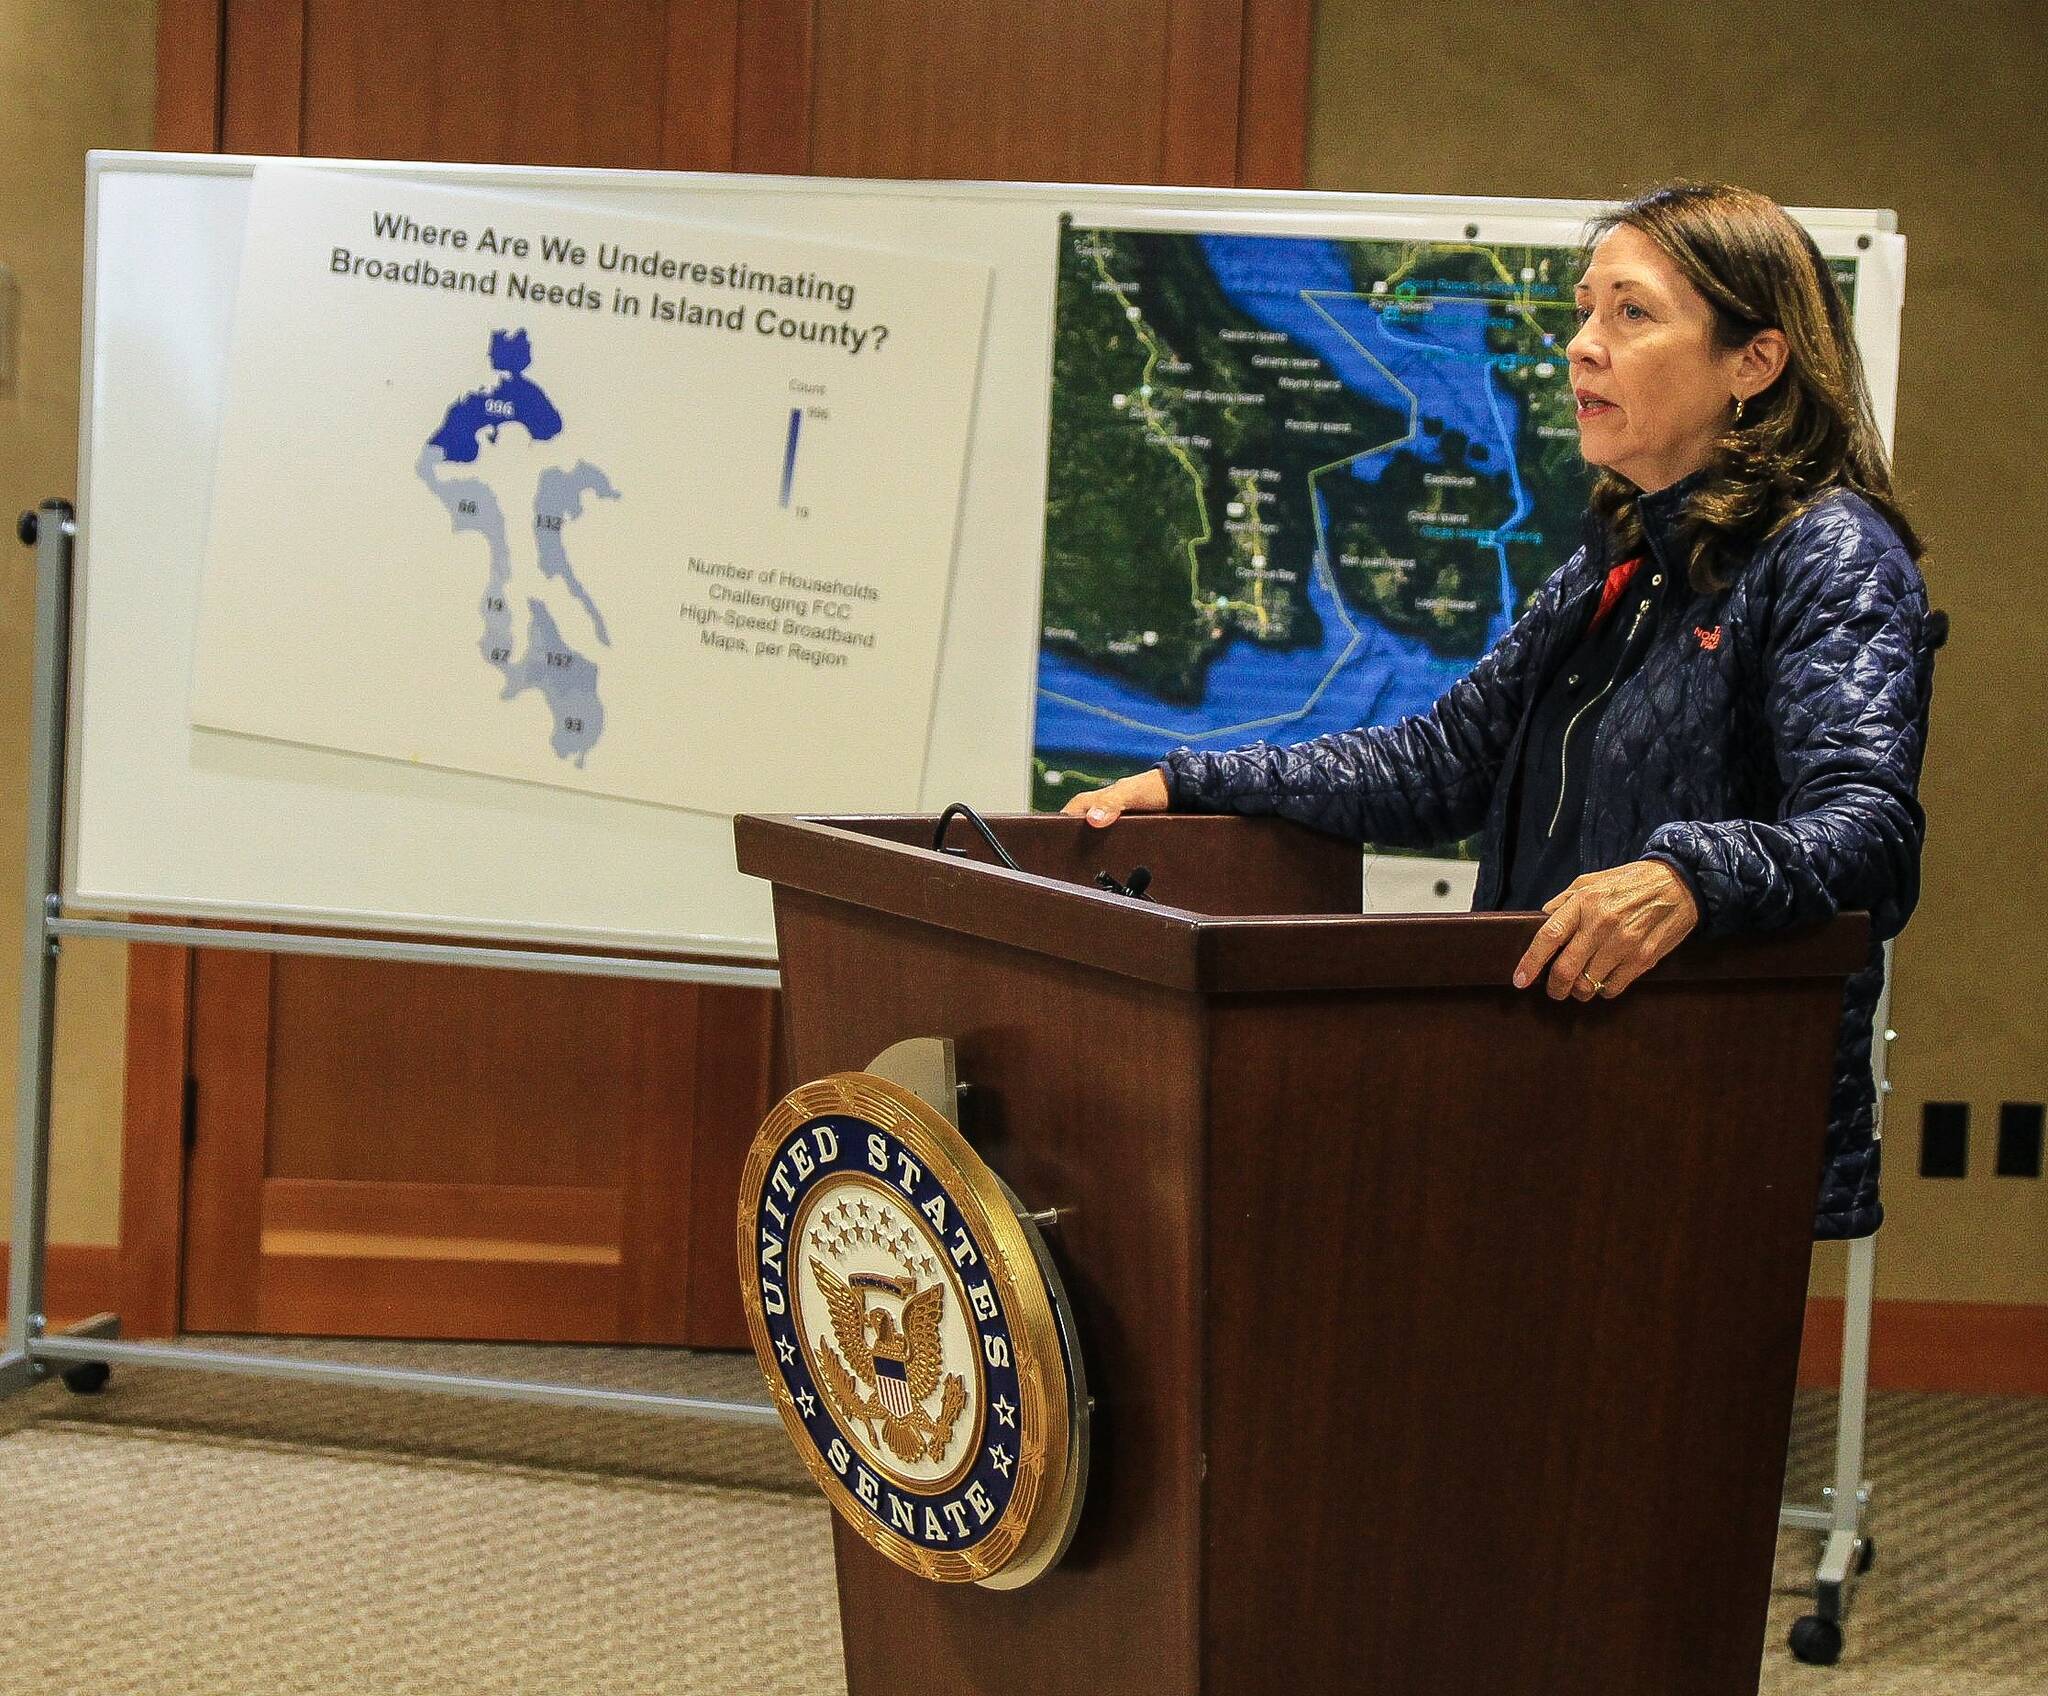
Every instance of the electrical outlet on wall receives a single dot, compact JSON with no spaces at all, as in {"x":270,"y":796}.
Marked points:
{"x":1944,"y":1139}
{"x":2019,"y":1139}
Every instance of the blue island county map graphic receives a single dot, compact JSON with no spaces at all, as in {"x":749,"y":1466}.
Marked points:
{"x":521,"y":638}
{"x":1295,"y":486}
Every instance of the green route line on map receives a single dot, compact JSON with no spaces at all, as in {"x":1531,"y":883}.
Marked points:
{"x":1219,"y":604}
{"x":1136,"y":319}
{"x":1523,"y":302}
{"x":1250,"y":498}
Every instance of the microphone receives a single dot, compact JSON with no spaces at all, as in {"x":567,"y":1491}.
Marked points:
{"x":1135,"y":886}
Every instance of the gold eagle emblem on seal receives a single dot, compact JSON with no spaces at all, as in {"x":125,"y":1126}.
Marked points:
{"x":902,"y":1365}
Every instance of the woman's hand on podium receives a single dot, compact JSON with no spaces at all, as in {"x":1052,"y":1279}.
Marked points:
{"x":1141,"y":792}
{"x":1608,"y":929}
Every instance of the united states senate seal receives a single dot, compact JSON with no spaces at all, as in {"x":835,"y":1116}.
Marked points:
{"x":913,"y":1333}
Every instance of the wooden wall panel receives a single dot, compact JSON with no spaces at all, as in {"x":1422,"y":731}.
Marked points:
{"x":1272,"y":113}
{"x":561,"y":1222}
{"x":460,"y":1075}
{"x":1204,"y":80}
{"x":80,"y":1281}
{"x":189,"y":46}
{"x":699,"y":77}
{"x":153,"y":1139}
{"x":740,"y":1073}
{"x":526,"y":82}
{"x":391,"y":1296}
{"x":230,"y":1062}
{"x":1063,"y":90}
{"x":774,"y":113}
{"x":263,"y":70}
{"x":1975,"y":1348}
{"x":1171,"y":91}
{"x":392,"y":1149}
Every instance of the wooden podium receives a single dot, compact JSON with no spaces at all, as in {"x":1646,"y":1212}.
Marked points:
{"x":1443,"y":1336}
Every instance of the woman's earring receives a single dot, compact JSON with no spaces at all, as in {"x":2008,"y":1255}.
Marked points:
{"x":1738,"y":409}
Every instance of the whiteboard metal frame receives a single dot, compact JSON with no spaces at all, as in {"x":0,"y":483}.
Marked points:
{"x":423,"y":953}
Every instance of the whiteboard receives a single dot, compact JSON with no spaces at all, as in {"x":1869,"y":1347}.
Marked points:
{"x":165,"y":819}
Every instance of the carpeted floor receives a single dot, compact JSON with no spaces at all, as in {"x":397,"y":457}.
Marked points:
{"x":188,"y":1533}
{"x":1957,"y":1604}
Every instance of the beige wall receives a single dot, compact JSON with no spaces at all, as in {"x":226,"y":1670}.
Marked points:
{"x":74,"y":74}
{"x":1875,"y":103}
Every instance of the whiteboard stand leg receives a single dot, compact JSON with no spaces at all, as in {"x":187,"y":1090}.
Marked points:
{"x":50,"y":530}
{"x":1842,"y":1558}
{"x":1848,"y":1549}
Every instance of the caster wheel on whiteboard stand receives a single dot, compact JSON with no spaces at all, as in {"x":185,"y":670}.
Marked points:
{"x":87,"y":1378}
{"x":1816,"y":1641}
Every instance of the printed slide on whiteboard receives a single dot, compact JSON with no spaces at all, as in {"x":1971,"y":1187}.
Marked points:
{"x":635,"y":506}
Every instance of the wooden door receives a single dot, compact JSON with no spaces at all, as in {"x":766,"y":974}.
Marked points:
{"x":378,"y":1149}
{"x":430,"y":1151}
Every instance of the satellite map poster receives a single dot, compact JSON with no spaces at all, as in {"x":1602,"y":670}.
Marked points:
{"x":640,"y":506}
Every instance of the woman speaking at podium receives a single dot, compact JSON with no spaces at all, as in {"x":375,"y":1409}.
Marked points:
{"x":1712,"y":716}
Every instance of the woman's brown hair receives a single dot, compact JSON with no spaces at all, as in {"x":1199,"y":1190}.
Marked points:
{"x":1812,"y":430}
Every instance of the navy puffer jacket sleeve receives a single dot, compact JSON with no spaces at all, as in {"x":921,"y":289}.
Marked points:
{"x":1848,"y":665}
{"x":1424,"y":780}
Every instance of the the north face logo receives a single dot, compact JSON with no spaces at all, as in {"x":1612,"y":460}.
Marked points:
{"x":1709,"y":639}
